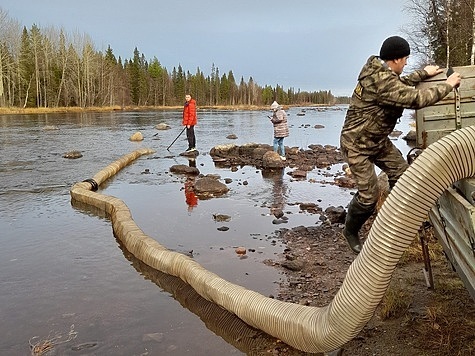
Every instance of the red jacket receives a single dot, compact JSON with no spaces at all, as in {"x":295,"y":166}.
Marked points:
{"x":189,"y":113}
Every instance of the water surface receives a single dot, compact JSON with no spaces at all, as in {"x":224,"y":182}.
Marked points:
{"x":62,"y":268}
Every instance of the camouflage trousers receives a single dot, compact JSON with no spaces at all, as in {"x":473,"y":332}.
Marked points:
{"x":362,"y":165}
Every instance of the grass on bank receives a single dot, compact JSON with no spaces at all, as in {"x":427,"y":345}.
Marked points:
{"x":76,"y":109}
{"x":443,"y":323}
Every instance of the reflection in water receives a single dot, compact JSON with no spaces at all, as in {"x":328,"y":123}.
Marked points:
{"x":221,"y":322}
{"x":192,"y":162}
{"x":190,"y":196}
{"x":279,"y":190}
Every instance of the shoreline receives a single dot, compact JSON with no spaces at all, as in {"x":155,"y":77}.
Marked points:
{"x":75,"y":109}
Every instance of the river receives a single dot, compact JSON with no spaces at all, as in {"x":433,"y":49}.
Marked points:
{"x":63,"y":271}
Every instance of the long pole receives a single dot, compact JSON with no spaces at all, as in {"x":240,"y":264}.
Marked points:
{"x":176,"y":138}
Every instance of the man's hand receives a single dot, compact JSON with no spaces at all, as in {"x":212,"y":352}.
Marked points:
{"x":432,"y":70}
{"x":454,"y":79}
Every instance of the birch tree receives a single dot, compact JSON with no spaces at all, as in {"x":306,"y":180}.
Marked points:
{"x":442,"y":31}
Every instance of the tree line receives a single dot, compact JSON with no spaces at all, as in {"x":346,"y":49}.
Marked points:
{"x":50,"y":68}
{"x":442,"y":31}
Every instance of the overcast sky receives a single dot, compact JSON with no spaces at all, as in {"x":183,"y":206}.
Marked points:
{"x":305,"y":44}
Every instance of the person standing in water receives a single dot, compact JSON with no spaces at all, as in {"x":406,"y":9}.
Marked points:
{"x":189,"y":121}
{"x":281,"y":129}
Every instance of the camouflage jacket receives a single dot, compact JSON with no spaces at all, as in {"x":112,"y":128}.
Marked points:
{"x":378,"y":102}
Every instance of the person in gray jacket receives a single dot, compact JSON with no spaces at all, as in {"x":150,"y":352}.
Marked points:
{"x":377,"y":103}
{"x":281,"y":129}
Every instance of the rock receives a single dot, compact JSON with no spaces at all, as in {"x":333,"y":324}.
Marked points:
{"x":184,"y":169}
{"x":272,"y":159}
{"x":259,"y":152}
{"x":136,"y":136}
{"x":395,"y":133}
{"x":323,"y":162}
{"x":336,"y":214}
{"x":278,"y":213}
{"x":294,"y":265}
{"x":209,"y":186}
{"x":308,"y":206}
{"x":192,"y":154}
{"x":72,"y":155}
{"x":162,"y":126}
{"x":298,"y":174}
{"x":240,"y":250}
{"x":221,"y":217}
{"x":231,"y":137}
{"x":411,"y":136}
{"x":224,"y":151}
{"x":258,"y":155}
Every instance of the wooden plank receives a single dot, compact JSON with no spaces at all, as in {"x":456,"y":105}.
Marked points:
{"x":458,"y":234}
{"x":436,"y":121}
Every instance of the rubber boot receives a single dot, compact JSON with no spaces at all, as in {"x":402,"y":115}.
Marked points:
{"x":355,"y":218}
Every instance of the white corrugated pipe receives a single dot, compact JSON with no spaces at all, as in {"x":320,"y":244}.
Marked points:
{"x":312,"y":329}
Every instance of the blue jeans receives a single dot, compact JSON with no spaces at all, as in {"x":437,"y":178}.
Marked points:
{"x":279,"y":143}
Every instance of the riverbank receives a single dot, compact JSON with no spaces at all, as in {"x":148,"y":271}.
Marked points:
{"x":411,"y":319}
{"x":117,"y":108}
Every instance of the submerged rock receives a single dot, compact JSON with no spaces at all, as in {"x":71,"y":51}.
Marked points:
{"x":136,"y":136}
{"x":162,"y":126}
{"x":72,"y":155}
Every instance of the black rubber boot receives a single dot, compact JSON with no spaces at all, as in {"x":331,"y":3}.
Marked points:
{"x":355,"y":218}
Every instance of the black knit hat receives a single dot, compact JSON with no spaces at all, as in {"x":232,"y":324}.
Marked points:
{"x":393,"y":48}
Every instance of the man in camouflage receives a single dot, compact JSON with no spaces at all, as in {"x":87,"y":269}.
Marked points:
{"x":377,"y":103}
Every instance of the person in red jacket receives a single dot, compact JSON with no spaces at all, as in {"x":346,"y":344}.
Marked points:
{"x":190,"y":120}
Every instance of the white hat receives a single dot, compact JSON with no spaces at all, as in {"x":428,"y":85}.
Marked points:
{"x":274,"y":105}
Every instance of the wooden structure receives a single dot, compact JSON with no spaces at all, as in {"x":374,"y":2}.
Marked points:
{"x":453,"y":216}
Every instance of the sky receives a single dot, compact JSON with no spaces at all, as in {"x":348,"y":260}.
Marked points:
{"x":309,"y":45}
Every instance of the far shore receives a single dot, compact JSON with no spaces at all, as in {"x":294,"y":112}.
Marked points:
{"x":75,"y":109}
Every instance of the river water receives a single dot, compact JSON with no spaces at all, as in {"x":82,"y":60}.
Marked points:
{"x":63,"y":271}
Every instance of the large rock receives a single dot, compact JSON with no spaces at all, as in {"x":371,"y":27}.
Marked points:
{"x":248,"y":149}
{"x":209,"y":186}
{"x":253,"y":154}
{"x":271,"y":160}
{"x":224,"y":150}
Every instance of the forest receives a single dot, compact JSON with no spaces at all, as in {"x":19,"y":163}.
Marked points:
{"x":49,"y":68}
